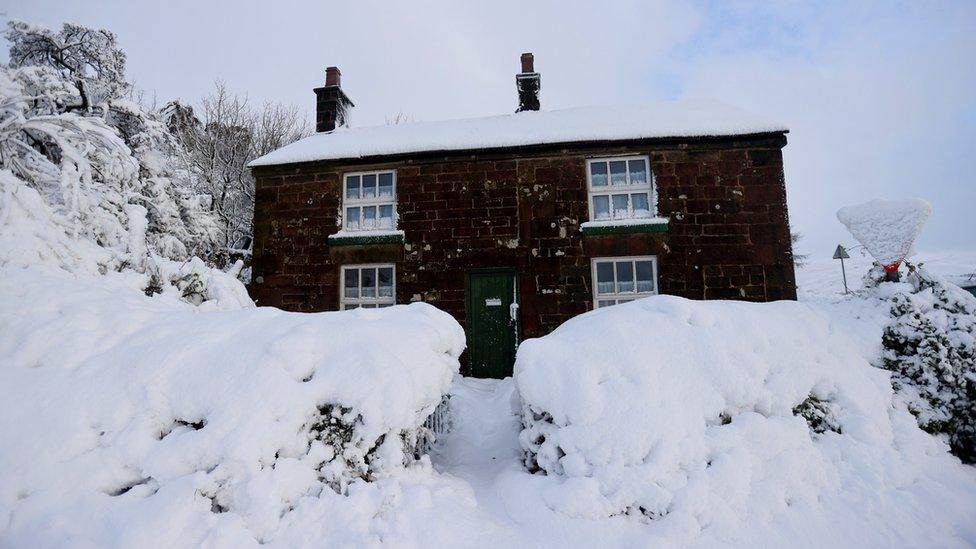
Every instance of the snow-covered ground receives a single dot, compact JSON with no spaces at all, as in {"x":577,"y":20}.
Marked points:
{"x":820,"y":279}
{"x":820,"y":284}
{"x":128,"y":420}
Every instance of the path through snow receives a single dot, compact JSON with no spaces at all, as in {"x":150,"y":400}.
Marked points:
{"x":482,"y":449}
{"x":483,"y":440}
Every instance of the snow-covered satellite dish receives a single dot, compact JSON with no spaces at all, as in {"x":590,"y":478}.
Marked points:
{"x":886,"y":228}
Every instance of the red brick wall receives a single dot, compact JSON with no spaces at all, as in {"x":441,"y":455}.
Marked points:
{"x":728,"y":236}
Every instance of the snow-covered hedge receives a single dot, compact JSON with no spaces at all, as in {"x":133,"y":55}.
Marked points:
{"x":120,"y":408}
{"x":713,"y":415}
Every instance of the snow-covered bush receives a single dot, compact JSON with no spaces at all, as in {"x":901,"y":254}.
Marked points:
{"x":930,"y":345}
{"x":818,"y":413}
{"x":212,"y":428}
{"x":711,"y":415}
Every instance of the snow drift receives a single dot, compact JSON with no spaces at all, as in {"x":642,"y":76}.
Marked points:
{"x":703,"y":417}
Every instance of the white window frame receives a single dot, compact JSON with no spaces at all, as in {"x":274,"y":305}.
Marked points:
{"x":362,"y":203}
{"x":616,"y":296}
{"x":609,"y":190}
{"x":345,"y":302}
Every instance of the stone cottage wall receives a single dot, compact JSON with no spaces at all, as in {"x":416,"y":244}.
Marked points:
{"x":728,"y":236}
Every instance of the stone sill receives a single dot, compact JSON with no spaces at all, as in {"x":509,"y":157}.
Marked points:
{"x":350,"y":238}
{"x":654,"y":225}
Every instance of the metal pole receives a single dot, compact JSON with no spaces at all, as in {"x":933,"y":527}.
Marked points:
{"x":843,"y":272}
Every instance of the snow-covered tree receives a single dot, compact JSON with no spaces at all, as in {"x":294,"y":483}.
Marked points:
{"x":218,"y":147}
{"x":69,"y":130}
{"x":90,"y":59}
{"x":799,"y":260}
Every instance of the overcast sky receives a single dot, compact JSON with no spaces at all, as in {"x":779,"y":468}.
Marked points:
{"x":880,"y":98}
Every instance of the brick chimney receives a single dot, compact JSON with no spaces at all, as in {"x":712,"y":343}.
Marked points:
{"x":528,"y":83}
{"x":331,"y":104}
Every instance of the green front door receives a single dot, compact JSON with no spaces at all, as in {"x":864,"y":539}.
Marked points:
{"x":492,"y":322}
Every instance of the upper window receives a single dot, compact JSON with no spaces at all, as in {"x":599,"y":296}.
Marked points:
{"x":369,"y":201}
{"x":620,"y":188}
{"x":622,"y":279}
{"x":368,"y":286}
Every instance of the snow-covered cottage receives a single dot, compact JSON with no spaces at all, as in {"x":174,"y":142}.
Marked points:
{"x":515,"y":223}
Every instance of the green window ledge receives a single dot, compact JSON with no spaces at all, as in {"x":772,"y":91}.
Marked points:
{"x":656,"y":226}
{"x":365,"y":240}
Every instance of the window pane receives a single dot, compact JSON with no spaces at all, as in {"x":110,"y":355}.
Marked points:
{"x":352,"y":306}
{"x":386,"y":185}
{"x":620,"y":206}
{"x":638,"y":172}
{"x":369,"y":282}
{"x":352,"y":218}
{"x":386,"y":281}
{"x":369,"y":186}
{"x":352,"y":283}
{"x":640,"y":204}
{"x":604,"y":277}
{"x":598,"y":174}
{"x":352,"y":187}
{"x":625,"y":276}
{"x":382,"y":305}
{"x":645,"y":277}
{"x":369,"y":217}
{"x":618,"y":172}
{"x":606,"y":303}
{"x":601,"y":207}
{"x":386,"y":217}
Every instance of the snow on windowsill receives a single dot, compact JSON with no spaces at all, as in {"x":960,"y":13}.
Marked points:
{"x":625,"y":222}
{"x":370,"y":233}
{"x":632,"y":222}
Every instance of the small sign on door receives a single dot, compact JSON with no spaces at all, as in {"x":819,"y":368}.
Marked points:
{"x":493,"y":302}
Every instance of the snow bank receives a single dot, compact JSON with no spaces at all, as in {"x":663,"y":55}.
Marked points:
{"x":886,"y":228}
{"x":691,"y":415}
{"x":191,"y":427}
{"x":685,"y":118}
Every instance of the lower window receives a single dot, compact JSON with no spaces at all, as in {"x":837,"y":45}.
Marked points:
{"x":622,"y":279}
{"x":368,"y":286}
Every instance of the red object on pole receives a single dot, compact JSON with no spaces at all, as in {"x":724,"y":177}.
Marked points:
{"x":891,"y":271}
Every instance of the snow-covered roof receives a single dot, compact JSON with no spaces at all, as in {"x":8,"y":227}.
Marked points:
{"x":684,"y":118}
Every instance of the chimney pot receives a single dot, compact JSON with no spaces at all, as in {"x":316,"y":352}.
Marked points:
{"x":332,"y":76}
{"x":528,"y":63}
